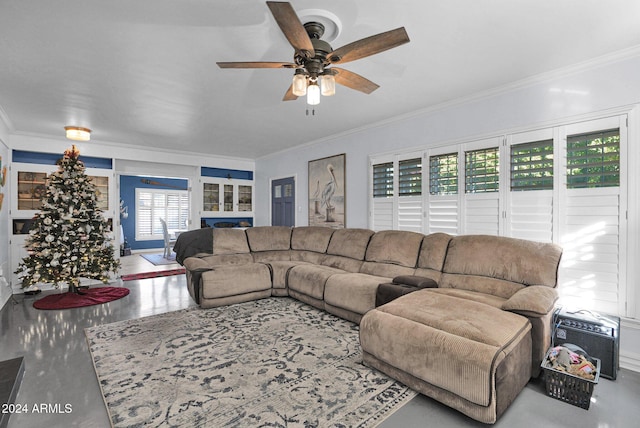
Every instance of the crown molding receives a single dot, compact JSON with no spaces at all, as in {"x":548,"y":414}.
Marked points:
{"x":581,"y":67}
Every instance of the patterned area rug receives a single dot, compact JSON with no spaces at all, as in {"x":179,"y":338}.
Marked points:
{"x":272,"y":362}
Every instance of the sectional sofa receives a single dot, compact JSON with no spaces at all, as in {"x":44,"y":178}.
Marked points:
{"x":471,"y":334}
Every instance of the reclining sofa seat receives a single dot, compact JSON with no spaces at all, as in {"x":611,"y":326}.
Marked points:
{"x":229,"y":275}
{"x":345,"y":253}
{"x":474,"y":341}
{"x":389,"y":253}
{"x":511,"y":274}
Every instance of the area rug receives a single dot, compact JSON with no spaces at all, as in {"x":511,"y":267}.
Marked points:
{"x":159,"y":259}
{"x":273,"y":362}
{"x":86,"y":297}
{"x":155,"y":274}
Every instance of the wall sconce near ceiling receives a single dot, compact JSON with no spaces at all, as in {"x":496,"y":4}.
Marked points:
{"x":77,"y":133}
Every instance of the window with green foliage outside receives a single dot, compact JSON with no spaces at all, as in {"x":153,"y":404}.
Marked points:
{"x":443,"y":174}
{"x":482,"y":174}
{"x":383,"y":180}
{"x":410,"y":177}
{"x":593,"y":160}
{"x":532,"y":166}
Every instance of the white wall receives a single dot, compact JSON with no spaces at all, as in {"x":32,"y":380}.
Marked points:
{"x":589,"y":89}
{"x":535,"y":103}
{"x":5,"y":266}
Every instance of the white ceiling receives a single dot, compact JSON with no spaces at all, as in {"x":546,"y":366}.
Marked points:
{"x":143,"y":72}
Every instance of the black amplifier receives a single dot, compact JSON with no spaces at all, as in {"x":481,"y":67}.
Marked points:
{"x":597,"y":334}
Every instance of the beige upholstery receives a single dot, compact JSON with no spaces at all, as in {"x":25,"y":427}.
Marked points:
{"x":230,"y":241}
{"x":524,"y":273}
{"x":472,"y":343}
{"x":448,"y":344}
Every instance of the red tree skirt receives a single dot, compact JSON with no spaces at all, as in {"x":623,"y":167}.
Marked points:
{"x":89,"y":297}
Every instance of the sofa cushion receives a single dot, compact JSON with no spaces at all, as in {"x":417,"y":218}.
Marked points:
{"x":310,"y":279}
{"x":387,"y":270}
{"x":398,"y":247}
{"x":346,"y":264}
{"x":225,"y":281}
{"x":487,"y":299}
{"x":349,"y":243}
{"x":271,"y":256}
{"x":451,"y":343}
{"x":229,"y":241}
{"x":269,"y":238}
{"x":311,"y":238}
{"x":354,"y":292}
{"x":499,"y":265}
{"x":433,"y":251}
{"x":219,"y":260}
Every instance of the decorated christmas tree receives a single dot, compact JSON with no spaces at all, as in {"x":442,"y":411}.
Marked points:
{"x":69,"y":239}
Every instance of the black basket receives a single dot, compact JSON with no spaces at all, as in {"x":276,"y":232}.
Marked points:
{"x":570,"y":388}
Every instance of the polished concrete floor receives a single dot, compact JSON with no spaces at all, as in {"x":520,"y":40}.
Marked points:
{"x":59,"y":372}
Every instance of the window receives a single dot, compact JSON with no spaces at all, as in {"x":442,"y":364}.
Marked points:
{"x":481,"y":170}
{"x":532,"y":166}
{"x":154,"y":204}
{"x":410,"y":177}
{"x":443,"y":174}
{"x":593,"y":160}
{"x":383,"y":180}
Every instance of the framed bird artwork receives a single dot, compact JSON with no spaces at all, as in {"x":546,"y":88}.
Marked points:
{"x":327,"y":191}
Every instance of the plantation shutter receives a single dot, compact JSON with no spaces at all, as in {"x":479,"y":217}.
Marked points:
{"x":155,"y":204}
{"x":144,"y":213}
{"x":410,"y":194}
{"x":444,"y":203}
{"x":531,"y":183}
{"x":481,"y":187}
{"x":593,"y":225}
{"x":382,"y":205}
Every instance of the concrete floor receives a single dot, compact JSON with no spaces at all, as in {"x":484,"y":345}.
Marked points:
{"x":59,"y":370}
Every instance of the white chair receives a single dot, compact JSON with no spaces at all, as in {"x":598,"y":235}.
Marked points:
{"x":169,"y":242}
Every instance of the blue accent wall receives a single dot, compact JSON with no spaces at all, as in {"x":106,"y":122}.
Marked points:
{"x":25,"y":156}
{"x":128,"y":186}
{"x":226,"y":173}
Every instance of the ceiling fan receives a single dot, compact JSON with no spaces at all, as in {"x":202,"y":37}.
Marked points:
{"x":314,"y":58}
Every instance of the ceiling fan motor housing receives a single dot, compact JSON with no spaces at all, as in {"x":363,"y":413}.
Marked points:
{"x":315,"y":65}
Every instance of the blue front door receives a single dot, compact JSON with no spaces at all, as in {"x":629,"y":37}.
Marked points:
{"x":283,"y":202}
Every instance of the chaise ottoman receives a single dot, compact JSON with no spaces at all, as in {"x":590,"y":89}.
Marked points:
{"x":468,"y":355}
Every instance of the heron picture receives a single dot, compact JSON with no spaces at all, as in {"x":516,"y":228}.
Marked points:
{"x":327,"y":192}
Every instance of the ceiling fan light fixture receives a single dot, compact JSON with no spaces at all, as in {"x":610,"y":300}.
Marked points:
{"x":77,"y":133}
{"x":313,"y":94}
{"x":299,"y":88}
{"x":328,"y":84}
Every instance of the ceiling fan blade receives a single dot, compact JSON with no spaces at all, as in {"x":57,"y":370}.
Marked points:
{"x":292,"y":28}
{"x":256,"y":64}
{"x":354,"y":81}
{"x":369,"y":46}
{"x":289,"y":95}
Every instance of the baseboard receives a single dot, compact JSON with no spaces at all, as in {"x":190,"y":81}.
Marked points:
{"x":630,"y":361}
{"x":629,"y":344}
{"x":5,"y":292}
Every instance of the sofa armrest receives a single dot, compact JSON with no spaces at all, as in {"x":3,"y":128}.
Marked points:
{"x":415,"y":281}
{"x":194,"y":263}
{"x":534,"y":301}
{"x":196,"y":267}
